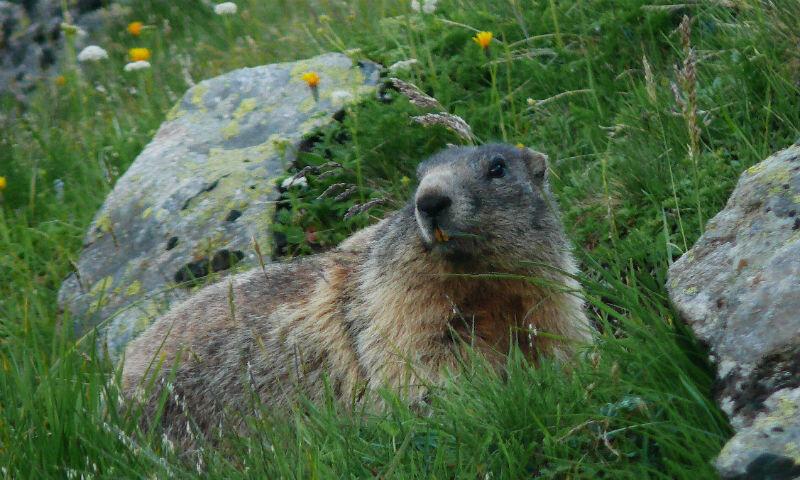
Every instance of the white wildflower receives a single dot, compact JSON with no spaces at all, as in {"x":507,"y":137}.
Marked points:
{"x":429,"y":6}
{"x":58,"y":187}
{"x":140,"y":65}
{"x":294,"y":182}
{"x":403,"y":65}
{"x":92,"y":53}
{"x":340,"y":97}
{"x":225,"y":8}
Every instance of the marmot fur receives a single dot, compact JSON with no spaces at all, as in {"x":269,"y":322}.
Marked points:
{"x":394,"y":305}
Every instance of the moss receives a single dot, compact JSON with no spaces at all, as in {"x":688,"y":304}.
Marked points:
{"x":147,"y":212}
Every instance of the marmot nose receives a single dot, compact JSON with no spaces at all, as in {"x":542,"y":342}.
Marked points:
{"x":433,"y":204}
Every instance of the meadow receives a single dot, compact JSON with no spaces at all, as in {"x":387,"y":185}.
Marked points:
{"x":648,"y":112}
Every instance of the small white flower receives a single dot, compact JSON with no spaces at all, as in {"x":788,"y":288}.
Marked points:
{"x":429,"y":6}
{"x":294,"y":182}
{"x":225,"y":8}
{"x":140,"y":65}
{"x":403,"y":65}
{"x":58,"y":186}
{"x":340,"y":97}
{"x":92,"y":53}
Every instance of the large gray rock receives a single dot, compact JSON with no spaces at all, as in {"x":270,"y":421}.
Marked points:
{"x":202,"y":191}
{"x":739,"y":289}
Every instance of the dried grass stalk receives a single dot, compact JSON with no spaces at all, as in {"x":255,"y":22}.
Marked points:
{"x":314,"y":170}
{"x":363,"y":207}
{"x":415,"y":95}
{"x":449,"y":121}
{"x":329,"y":191}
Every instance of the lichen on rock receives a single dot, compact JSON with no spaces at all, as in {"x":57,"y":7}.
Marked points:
{"x":201,"y":192}
{"x":739,"y":290}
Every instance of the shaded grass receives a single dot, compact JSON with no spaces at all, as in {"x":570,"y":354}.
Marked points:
{"x":638,"y":407}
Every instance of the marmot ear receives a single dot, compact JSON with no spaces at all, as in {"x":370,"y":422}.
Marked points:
{"x":536,"y":163}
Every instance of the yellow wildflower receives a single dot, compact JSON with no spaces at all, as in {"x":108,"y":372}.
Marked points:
{"x":3,"y":183}
{"x":311,"y":78}
{"x":135,"y":28}
{"x":483,"y":39}
{"x":139,"y":54}
{"x":405,"y":181}
{"x":520,"y":145}
{"x":61,"y":80}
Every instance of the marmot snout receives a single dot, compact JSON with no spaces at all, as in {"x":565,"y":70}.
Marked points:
{"x":394,"y":305}
{"x":480,"y":205}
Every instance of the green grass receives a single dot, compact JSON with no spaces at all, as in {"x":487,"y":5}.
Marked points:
{"x":639,"y":405}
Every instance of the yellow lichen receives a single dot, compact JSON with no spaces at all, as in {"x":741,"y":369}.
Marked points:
{"x":757,"y":168}
{"x":100,"y":291}
{"x":147,"y":212}
{"x":230,"y":130}
{"x":793,"y":451}
{"x":246,"y":106}
{"x":134,"y":288}
{"x":104,"y":223}
{"x":101,"y":285}
{"x":175,"y":112}
{"x":197,"y":95}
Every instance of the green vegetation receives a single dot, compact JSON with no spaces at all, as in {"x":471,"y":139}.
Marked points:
{"x":637,"y":169}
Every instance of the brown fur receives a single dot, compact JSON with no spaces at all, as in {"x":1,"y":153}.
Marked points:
{"x":380,"y":310}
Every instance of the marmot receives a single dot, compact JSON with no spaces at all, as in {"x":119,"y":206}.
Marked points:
{"x":478,"y":258}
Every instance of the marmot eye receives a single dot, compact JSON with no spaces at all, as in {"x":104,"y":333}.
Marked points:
{"x":497,"y":167}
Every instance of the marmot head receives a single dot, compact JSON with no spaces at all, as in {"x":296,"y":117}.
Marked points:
{"x":487,"y":206}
